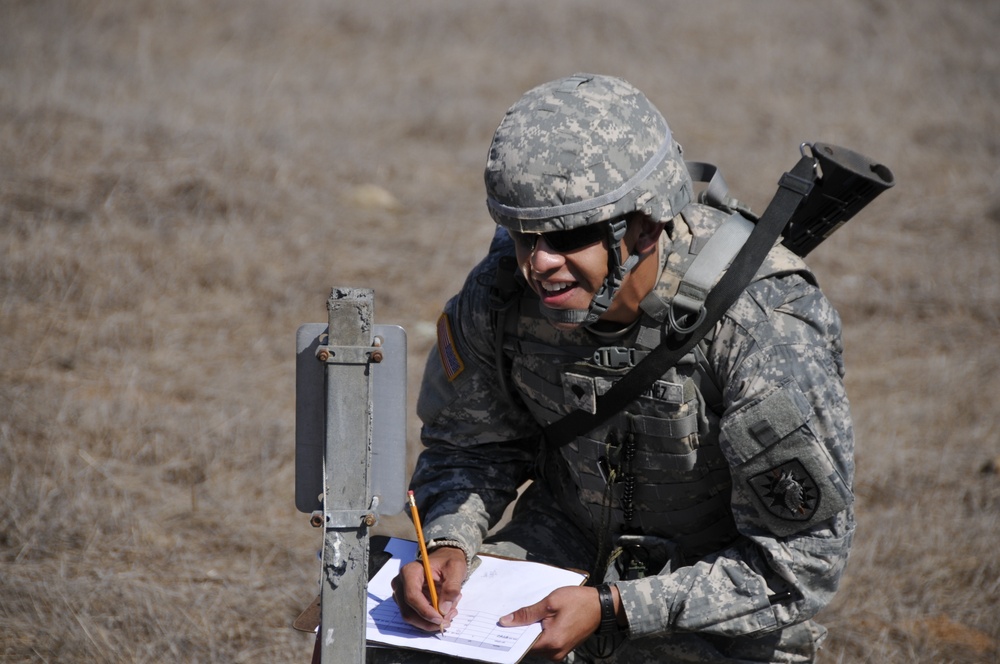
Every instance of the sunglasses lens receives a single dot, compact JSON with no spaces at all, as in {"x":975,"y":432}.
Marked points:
{"x":562,"y":241}
{"x":575,"y":238}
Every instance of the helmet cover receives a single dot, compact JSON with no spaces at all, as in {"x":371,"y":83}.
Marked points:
{"x":581,"y":150}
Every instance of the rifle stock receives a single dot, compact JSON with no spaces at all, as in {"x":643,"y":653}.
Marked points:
{"x":846,"y":182}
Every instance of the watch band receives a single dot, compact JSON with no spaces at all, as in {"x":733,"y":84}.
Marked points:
{"x":609,"y":621}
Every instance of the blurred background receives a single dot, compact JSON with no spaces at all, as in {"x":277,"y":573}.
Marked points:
{"x":182,"y":183}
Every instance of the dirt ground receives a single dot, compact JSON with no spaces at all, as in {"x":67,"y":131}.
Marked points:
{"x":182,"y":183}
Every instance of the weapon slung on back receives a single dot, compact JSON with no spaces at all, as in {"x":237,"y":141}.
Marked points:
{"x":846,"y":182}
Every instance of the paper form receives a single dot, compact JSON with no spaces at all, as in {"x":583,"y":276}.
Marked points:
{"x":497,"y":587}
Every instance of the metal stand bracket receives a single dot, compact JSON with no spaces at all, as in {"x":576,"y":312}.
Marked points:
{"x":350,"y":454}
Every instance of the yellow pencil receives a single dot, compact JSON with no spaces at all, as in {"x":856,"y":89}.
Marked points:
{"x":423,"y":552}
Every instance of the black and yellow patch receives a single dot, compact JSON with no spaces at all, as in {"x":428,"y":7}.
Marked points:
{"x":451,"y":361}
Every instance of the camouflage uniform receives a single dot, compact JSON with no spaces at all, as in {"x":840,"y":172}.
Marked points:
{"x":719,"y":502}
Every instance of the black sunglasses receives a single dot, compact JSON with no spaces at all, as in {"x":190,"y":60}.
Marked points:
{"x":562,"y":241}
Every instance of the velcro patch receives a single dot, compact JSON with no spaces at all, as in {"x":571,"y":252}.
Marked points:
{"x":661,"y":390}
{"x":580,"y":392}
{"x":780,"y":465}
{"x":451,"y":361}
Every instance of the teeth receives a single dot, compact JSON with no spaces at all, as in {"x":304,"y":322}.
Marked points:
{"x":554,"y":288}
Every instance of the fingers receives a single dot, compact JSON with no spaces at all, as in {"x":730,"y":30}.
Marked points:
{"x":526,"y":615}
{"x":567,"y":615}
{"x":552,"y":643}
{"x":410,"y":590}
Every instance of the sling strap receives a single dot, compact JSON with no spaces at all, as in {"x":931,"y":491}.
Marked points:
{"x":793,"y":187}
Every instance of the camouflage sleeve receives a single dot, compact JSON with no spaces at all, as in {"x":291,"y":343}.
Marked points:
{"x":479,"y":447}
{"x":787,"y":435}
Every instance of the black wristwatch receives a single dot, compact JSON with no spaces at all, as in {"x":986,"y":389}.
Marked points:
{"x":609,"y":621}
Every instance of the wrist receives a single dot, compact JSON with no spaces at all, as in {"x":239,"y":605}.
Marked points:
{"x":442,"y":543}
{"x":619,"y":608}
{"x":454,"y":548}
{"x":609,"y":615}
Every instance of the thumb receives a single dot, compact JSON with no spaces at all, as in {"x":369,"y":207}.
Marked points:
{"x":524,"y":616}
{"x":450,"y":585}
{"x":449,"y":590}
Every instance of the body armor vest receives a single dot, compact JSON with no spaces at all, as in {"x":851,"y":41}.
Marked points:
{"x":656,"y":467}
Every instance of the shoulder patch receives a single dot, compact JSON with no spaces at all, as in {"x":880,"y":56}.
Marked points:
{"x":780,"y":466}
{"x":787,"y":491}
{"x":451,"y":361}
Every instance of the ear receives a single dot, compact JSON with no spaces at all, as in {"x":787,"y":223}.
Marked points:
{"x":648,"y":236}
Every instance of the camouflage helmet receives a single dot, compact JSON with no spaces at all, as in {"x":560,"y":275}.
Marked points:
{"x":581,"y":150}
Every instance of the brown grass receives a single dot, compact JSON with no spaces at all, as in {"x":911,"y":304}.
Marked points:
{"x":182,"y":183}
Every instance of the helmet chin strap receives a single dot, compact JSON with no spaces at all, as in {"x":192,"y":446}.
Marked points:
{"x":602,"y":300}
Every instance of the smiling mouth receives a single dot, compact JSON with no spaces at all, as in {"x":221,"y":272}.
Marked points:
{"x":557,"y":294}
{"x":555,"y":289}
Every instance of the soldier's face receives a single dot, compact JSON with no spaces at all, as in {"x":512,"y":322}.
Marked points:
{"x":564,"y":280}
{"x":569,"y":279}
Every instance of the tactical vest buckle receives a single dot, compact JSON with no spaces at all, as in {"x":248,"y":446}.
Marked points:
{"x":614,"y":357}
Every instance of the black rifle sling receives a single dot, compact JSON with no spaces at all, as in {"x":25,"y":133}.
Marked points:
{"x":793,"y":187}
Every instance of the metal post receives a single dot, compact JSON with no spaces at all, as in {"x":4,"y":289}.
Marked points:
{"x":347,"y":507}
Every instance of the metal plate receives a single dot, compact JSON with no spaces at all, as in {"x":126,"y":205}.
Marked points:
{"x":388,"y":460}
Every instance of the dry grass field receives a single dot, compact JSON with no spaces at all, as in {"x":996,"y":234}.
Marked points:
{"x":181,"y":184}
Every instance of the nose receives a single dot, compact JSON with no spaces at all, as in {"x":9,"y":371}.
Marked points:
{"x":543,"y":258}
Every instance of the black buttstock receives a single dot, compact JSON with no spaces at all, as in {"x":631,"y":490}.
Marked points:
{"x":846,"y":182}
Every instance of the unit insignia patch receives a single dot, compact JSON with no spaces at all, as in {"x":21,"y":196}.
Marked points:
{"x":787,"y":491}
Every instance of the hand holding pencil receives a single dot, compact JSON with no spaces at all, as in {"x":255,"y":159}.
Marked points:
{"x":423,"y":553}
{"x":443,"y":571}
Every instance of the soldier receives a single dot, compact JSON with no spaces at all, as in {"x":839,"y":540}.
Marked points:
{"x":714,"y":511}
